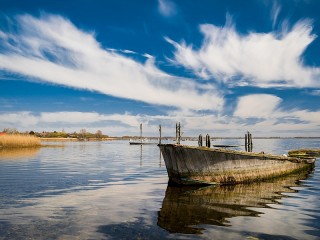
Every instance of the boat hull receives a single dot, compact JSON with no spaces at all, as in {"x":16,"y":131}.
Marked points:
{"x":143,"y":143}
{"x":188,"y":165}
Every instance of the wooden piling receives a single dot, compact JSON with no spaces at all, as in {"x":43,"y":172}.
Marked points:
{"x":208,"y":144}
{"x":200,"y":141}
{"x":178,"y":132}
{"x":248,"y":142}
{"x":140,"y":133}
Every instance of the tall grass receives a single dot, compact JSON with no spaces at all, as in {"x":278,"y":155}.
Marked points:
{"x":18,"y":140}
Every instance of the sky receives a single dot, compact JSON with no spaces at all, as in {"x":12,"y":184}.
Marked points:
{"x":218,"y":67}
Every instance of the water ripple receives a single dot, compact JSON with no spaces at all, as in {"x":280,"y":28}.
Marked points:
{"x":105,"y":190}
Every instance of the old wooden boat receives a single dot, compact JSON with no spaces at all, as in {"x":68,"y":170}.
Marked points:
{"x":141,"y":142}
{"x":191,"y":165}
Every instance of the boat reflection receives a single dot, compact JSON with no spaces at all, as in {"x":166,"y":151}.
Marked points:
{"x":187,"y":209}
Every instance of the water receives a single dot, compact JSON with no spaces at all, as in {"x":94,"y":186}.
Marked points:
{"x":111,"y":190}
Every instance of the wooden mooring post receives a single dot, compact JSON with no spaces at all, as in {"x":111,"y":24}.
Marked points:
{"x":200,"y":141}
{"x":178,"y":133}
{"x":140,"y":133}
{"x":248,"y":142}
{"x":208,"y":143}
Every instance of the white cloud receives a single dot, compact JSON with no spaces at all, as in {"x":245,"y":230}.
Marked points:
{"x":275,"y":119}
{"x":257,"y":106}
{"x":52,"y":49}
{"x":69,"y":117}
{"x":307,"y":116}
{"x":128,"y":51}
{"x":112,"y":124}
{"x":315,"y":92}
{"x":146,"y":55}
{"x":272,"y":121}
{"x":259,"y":59}
{"x":3,"y":35}
{"x":77,"y":118}
{"x":167,"y":8}
{"x":18,"y":119}
{"x":268,"y":107}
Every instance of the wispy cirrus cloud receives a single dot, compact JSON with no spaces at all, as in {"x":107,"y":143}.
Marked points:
{"x":275,"y":11}
{"x":167,"y":8}
{"x":53,"y":50}
{"x":256,"y":59}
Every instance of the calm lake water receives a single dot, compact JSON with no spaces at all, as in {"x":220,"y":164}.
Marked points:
{"x":111,"y":190}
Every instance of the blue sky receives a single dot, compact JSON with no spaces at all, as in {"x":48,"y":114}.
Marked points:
{"x":218,"y":67}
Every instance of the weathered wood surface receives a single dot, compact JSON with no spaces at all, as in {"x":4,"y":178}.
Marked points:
{"x":200,"y":165}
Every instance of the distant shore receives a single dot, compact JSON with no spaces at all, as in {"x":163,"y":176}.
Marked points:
{"x":33,"y":141}
{"x":164,"y":138}
{"x":76,"y":139}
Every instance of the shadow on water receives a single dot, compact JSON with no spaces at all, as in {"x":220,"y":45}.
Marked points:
{"x":187,"y":209}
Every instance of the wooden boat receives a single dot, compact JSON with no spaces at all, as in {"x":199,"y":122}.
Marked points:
{"x":189,"y":165}
{"x":141,"y":142}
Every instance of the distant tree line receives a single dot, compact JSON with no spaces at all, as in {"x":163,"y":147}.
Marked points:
{"x":82,"y":134}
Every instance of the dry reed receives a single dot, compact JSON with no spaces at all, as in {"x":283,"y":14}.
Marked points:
{"x":18,"y":140}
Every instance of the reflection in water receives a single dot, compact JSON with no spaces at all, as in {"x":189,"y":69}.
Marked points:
{"x":18,"y":153}
{"x":141,"y":155}
{"x":98,"y":190}
{"x":185,"y":208}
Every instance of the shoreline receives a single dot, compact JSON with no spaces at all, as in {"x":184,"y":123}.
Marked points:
{"x":76,"y":139}
{"x":42,"y":139}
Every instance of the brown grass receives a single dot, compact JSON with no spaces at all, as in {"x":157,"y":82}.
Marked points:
{"x":18,"y":140}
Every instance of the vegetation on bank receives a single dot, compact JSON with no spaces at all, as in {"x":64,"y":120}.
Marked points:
{"x":19,"y":140}
{"x":83,"y":134}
